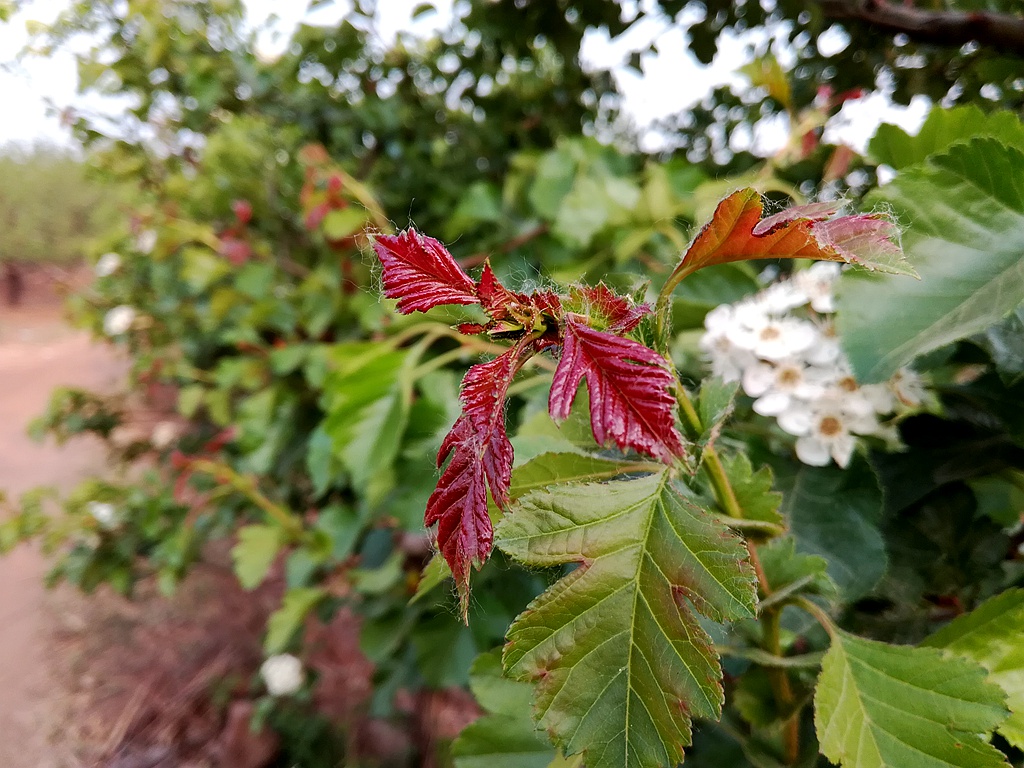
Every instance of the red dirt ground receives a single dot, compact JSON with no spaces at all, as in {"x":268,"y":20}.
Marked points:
{"x":37,"y":353}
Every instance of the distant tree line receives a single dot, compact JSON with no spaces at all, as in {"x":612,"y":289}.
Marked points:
{"x":50,"y":210}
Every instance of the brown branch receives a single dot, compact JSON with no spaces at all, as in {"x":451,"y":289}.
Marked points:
{"x":479,"y":258}
{"x":949,"y":28}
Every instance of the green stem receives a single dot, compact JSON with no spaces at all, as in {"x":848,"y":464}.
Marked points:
{"x":781,"y":686}
{"x":770,"y":617}
{"x":818,"y":613}
{"x":248,"y":488}
{"x":440,"y":362}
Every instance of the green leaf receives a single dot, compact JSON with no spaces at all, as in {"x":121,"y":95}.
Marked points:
{"x":753,"y":490}
{"x":554,"y":468}
{"x":991,"y":636}
{"x":619,"y":659}
{"x":583,"y":212}
{"x":887,"y":706}
{"x":714,"y":406}
{"x":1000,"y":497}
{"x":343,"y":223}
{"x":893,"y":146}
{"x":1004,"y":341}
{"x":479,"y":204}
{"x":423,"y":9}
{"x":552,"y":181}
{"x":539,"y":434}
{"x":189,"y":399}
{"x":835,"y":513}
{"x":342,"y":526}
{"x":434,"y":574}
{"x":506,"y":737}
{"x":254,"y":553}
{"x":790,"y":572}
{"x":964,"y":213}
{"x":285,"y":621}
{"x":377,"y":581}
{"x":366,"y":408}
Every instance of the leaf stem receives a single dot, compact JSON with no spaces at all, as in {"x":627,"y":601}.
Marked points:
{"x":247,"y":486}
{"x":772,"y":643}
{"x":781,"y":686}
{"x":663,"y":305}
{"x":819,"y":613}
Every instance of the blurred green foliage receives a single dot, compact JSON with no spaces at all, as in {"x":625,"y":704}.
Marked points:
{"x":51,"y":206}
{"x":305,"y":416}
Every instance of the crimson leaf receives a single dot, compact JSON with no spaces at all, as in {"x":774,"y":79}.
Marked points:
{"x":629,"y":384}
{"x":420,"y":273}
{"x":605,"y":309}
{"x":481,"y":456}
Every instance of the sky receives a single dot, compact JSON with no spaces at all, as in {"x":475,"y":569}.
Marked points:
{"x":672,"y":80}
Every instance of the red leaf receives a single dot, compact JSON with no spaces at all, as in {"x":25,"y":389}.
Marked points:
{"x":606,"y":309}
{"x":630,"y":399}
{"x":316,"y":216}
{"x":481,"y":456}
{"x":737,"y":232}
{"x":420,"y":273}
{"x":495,"y":298}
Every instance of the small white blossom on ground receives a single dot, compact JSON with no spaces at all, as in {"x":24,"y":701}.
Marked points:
{"x":119,"y":320}
{"x":104,"y":513}
{"x":107,"y":264}
{"x":282,"y":674}
{"x":146,"y":241}
{"x":164,"y":434}
{"x":781,"y":346}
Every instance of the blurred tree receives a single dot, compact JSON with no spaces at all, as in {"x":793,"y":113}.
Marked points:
{"x":49,"y":210}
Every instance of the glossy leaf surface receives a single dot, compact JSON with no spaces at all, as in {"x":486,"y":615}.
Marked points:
{"x":964,"y":212}
{"x":943,"y":127}
{"x":737,"y":232}
{"x":481,"y":457}
{"x":888,"y":706}
{"x":630,"y":399}
{"x":420,"y":273}
{"x":992,"y":635}
{"x":619,"y":659}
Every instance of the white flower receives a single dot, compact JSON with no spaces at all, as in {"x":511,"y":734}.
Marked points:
{"x":908,"y":387}
{"x":880,"y":396}
{"x":146,"y":241}
{"x":826,"y":428}
{"x":164,"y":434}
{"x":107,"y":264}
{"x":817,"y":282}
{"x":776,"y":386}
{"x":282,"y":674}
{"x":104,"y":513}
{"x":119,"y":320}
{"x":772,"y":338}
{"x":784,"y":296}
{"x":727,"y":360}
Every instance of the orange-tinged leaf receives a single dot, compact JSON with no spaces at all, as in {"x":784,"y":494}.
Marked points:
{"x":737,"y":232}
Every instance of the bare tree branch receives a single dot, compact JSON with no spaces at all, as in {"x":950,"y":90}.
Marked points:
{"x":953,"y":28}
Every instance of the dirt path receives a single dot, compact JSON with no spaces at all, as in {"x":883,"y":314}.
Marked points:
{"x":37,"y":353}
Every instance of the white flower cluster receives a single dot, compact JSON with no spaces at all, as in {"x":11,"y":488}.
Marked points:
{"x":107,"y":264}
{"x":282,"y":674}
{"x":119,"y":320}
{"x":104,"y":513}
{"x":794,"y":368}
